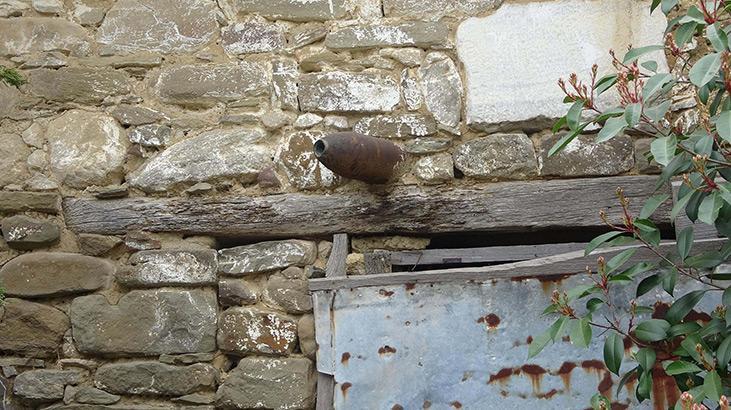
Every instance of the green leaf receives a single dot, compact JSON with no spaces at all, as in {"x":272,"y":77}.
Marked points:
{"x":706,"y":260}
{"x":668,"y":280}
{"x":712,"y":386}
{"x":613,"y":352}
{"x":652,"y":330}
{"x":611,"y":128}
{"x":657,"y":112}
{"x":648,"y":231}
{"x":593,"y":304}
{"x":709,"y":208}
{"x":565,"y":140}
{"x":723,"y":353}
{"x":680,"y":205}
{"x":704,"y":146}
{"x":620,"y":259}
{"x":725,"y":193}
{"x":573,"y":117}
{"x":683,"y":306}
{"x":581,"y":333}
{"x":650,"y":65}
{"x":647,"y":284}
{"x":580,"y":291}
{"x":599,"y":240}
{"x":542,"y":340}
{"x":705,"y":69}
{"x":693,"y":14}
{"x":651,"y":205}
{"x":646,"y":359}
{"x":723,"y":125}
{"x":685,"y":242}
{"x":559,"y":124}
{"x":683,"y":329}
{"x":655,"y":84}
{"x":635,"y":53}
{"x":605,"y":83}
{"x":599,"y":402}
{"x":726,"y":298}
{"x":667,"y":5}
{"x":689,"y":343}
{"x":681,"y":367}
{"x":684,"y":33}
{"x":663,"y":149}
{"x":644,"y":387}
{"x":717,"y":37}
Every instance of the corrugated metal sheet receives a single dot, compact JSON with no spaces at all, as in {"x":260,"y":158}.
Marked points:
{"x":460,"y":345}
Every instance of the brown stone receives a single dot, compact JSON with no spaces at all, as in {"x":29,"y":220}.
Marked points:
{"x":29,"y":201}
{"x":21,"y":232}
{"x":31,"y":329}
{"x":14,"y":154}
{"x":244,"y":331}
{"x":82,"y":85}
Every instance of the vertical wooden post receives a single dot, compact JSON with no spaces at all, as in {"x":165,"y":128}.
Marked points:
{"x":335,"y":268}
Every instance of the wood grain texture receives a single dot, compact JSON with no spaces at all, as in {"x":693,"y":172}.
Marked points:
{"x":481,"y":255}
{"x":377,"y":262}
{"x":505,"y":207}
{"x":325,"y":391}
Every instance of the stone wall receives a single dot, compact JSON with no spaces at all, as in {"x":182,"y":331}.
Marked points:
{"x":202,"y":98}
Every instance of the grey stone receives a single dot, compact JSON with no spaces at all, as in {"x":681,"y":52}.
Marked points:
{"x":339,"y":91}
{"x":252,"y":37}
{"x":34,"y":135}
{"x":82,"y":85}
{"x":110,"y":191}
{"x":307,"y":120}
{"x":29,"y":201}
{"x":207,"y":157}
{"x":48,"y":6}
{"x":144,"y":59}
{"x":13,"y":8}
{"x":410,"y":57}
{"x":244,"y":331}
{"x":318,"y":58}
{"x":38,"y":161}
{"x":22,"y":232}
{"x":196,"y":398}
{"x":44,"y":385}
{"x":141,"y":241}
{"x":31,"y":329}
{"x":184,"y":359}
{"x":39,"y":182}
{"x":38,"y":34}
{"x":435,"y":169}
{"x":269,"y":383}
{"x":584,"y":157}
{"x":170,"y":268}
{"x":86,"y":148}
{"x":22,"y":362}
{"x":168,"y":26}
{"x":292,"y":295}
{"x":285,"y":74}
{"x":45,"y":60}
{"x":305,"y":34}
{"x":207,"y":84}
{"x":296,"y":10}
{"x":413,"y":33}
{"x":14,"y":154}
{"x":266,"y":256}
{"x":421,"y":146}
{"x":498,"y":156}
{"x":42,"y":274}
{"x":156,"y":379}
{"x":146,"y":322}
{"x":135,"y":115}
{"x":642,"y":149}
{"x":92,"y":395}
{"x":337,"y":122}
{"x":200,"y":188}
{"x":268,"y":178}
{"x":434,"y":9}
{"x":306,"y":335}
{"x":89,"y":13}
{"x":442,"y":88}
{"x":296,"y":159}
{"x":411,"y":90}
{"x":236,"y":292}
{"x":152,"y":135}
{"x":397,"y":126}
{"x":275,"y":119}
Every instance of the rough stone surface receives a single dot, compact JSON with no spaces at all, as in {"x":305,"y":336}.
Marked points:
{"x":441,"y":86}
{"x":206,"y":85}
{"x":151,"y":136}
{"x":44,"y":385}
{"x":135,"y":115}
{"x":244,"y":331}
{"x":306,"y":335}
{"x":411,"y":91}
{"x":269,"y":383}
{"x":54,"y":274}
{"x":410,"y":57}
{"x":498,"y":156}
{"x":48,"y":6}
{"x":29,"y":201}
{"x":31,"y":329}
{"x":153,"y":378}
{"x":306,"y":34}
{"x":92,"y":395}
{"x":339,"y":91}
{"x":291,"y":294}
{"x":97,"y":245}
{"x":528,"y":97}
{"x":296,"y":160}
{"x":252,"y":37}
{"x":236,"y":292}
{"x":187,"y":358}
{"x":13,"y":8}
{"x":86,"y":148}
{"x":206,"y":157}
{"x":167,"y":26}
{"x":170,"y":268}
{"x":146,"y":322}
{"x":78,"y":84}
{"x":285,"y":74}
{"x":584,"y":157}
{"x":416,"y":33}
{"x":296,"y":10}
{"x":22,"y":232}
{"x":266,"y":256}
{"x":307,"y":120}
{"x":421,"y":146}
{"x":14,"y":154}
{"x":396,"y":126}
{"x":433,"y":9}
{"x":642,"y":148}
{"x":435,"y":169}
{"x":39,"y":34}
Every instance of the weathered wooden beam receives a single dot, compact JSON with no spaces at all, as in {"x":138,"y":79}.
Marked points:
{"x":506,"y":207}
{"x":377,"y":262}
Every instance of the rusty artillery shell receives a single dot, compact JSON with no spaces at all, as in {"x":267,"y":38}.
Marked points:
{"x":356,"y":156}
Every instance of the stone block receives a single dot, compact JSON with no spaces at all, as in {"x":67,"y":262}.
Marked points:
{"x":155,"y":379}
{"x":295,"y":10}
{"x":44,"y":385}
{"x":266,"y":256}
{"x":236,"y":292}
{"x":22,"y":232}
{"x":31,"y":329}
{"x":170,"y":268}
{"x":296,"y":159}
{"x":584,"y":157}
{"x":339,"y":91}
{"x":441,"y":86}
{"x":40,"y":34}
{"x":244,"y":331}
{"x":14,"y":154}
{"x":435,"y":169}
{"x":251,"y":37}
{"x":497,"y":157}
{"x":78,"y":84}
{"x":396,"y":126}
{"x":408,"y":34}
{"x":291,"y":294}
{"x":435,"y":9}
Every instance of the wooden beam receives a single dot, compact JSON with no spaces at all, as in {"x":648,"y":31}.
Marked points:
{"x":505,"y":207}
{"x":377,"y":262}
{"x":489,"y":254}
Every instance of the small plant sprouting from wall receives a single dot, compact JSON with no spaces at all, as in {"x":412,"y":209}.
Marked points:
{"x":11,"y":76}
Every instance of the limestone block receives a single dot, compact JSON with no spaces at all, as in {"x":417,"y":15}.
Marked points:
{"x":497,"y":156}
{"x":397,"y":126}
{"x":27,"y":35}
{"x":435,"y":169}
{"x":584,"y":157}
{"x":14,"y":154}
{"x":22,"y":232}
{"x":296,"y":159}
{"x":170,"y":268}
{"x":76,"y":84}
{"x":339,"y":91}
{"x":441,"y":86}
{"x":415,"y":33}
{"x":252,"y":37}
{"x":296,"y":10}
{"x":266,"y":256}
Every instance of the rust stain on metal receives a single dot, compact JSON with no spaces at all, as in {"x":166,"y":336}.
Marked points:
{"x":410,"y":286}
{"x":357,"y":156}
{"x":501,"y":376}
{"x":664,"y":389}
{"x":344,"y":387}
{"x":426,"y":405}
{"x":605,"y":386}
{"x":491,"y":320}
{"x":535,"y":373}
{"x":548,"y":394}
{"x":397,"y":407}
{"x":565,"y":374}
{"x":456,"y":404}
{"x":593,"y":366}
{"x":386,"y":293}
{"x":386,"y":350}
{"x":344,"y":358}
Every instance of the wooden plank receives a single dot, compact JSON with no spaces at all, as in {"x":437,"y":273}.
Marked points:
{"x":566,"y":264}
{"x":481,"y":255}
{"x":325,"y":391}
{"x":377,"y":262}
{"x":506,"y":207}
{"x":336,"y":263}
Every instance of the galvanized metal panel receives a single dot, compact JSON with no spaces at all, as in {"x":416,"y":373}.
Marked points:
{"x":464,"y":345}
